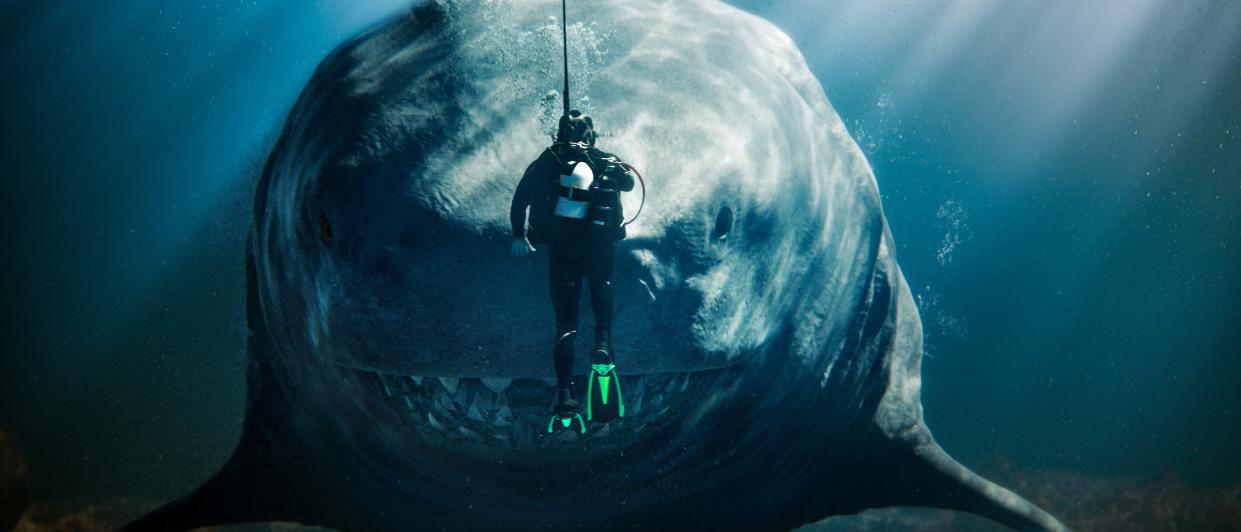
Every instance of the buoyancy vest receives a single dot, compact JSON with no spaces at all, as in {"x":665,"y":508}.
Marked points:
{"x":587,"y":204}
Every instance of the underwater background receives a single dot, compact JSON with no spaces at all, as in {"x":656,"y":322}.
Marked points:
{"x":1062,"y":179}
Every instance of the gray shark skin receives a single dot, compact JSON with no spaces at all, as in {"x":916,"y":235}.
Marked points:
{"x":399,"y":361}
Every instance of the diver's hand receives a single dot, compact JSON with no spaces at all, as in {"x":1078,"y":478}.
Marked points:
{"x":521,"y":247}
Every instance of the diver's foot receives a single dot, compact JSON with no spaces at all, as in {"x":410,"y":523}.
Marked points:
{"x":566,"y":406}
{"x":565,"y":416}
{"x":601,"y":356}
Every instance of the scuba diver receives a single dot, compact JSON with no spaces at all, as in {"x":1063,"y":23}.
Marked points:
{"x":573,"y":193}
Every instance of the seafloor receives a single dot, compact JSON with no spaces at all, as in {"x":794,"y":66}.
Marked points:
{"x":1083,"y":502}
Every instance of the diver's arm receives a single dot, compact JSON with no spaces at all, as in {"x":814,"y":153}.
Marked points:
{"x":521,"y":247}
{"x":522,"y":196}
{"x":521,"y":201}
{"x":517,"y":210}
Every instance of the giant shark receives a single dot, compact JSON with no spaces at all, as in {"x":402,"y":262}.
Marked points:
{"x":399,"y":370}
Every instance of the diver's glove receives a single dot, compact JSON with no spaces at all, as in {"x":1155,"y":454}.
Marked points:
{"x":521,"y":247}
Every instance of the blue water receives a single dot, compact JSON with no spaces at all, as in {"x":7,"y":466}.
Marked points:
{"x":1062,"y":181}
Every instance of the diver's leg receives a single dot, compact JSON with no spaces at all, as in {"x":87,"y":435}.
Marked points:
{"x":603,"y":397}
{"x":566,"y":288}
{"x":600,"y":277}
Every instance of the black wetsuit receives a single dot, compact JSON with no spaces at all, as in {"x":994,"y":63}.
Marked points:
{"x":579,"y":249}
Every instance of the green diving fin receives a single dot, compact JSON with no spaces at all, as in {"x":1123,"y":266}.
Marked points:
{"x":565,"y":416}
{"x":560,"y":422}
{"x":603,"y":393}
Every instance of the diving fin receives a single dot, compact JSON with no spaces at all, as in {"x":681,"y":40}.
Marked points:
{"x":603,"y":391}
{"x":560,"y":422}
{"x":565,"y":415}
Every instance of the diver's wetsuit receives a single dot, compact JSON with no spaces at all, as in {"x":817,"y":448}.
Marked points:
{"x":578,"y":248}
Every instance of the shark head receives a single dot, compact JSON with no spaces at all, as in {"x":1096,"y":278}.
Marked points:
{"x":400,"y":361}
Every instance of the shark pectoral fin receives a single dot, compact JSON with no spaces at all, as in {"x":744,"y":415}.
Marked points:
{"x":935,"y":479}
{"x":259,"y":481}
{"x":232,"y":496}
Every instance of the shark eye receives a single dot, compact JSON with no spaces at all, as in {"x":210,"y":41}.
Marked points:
{"x":723,"y":223}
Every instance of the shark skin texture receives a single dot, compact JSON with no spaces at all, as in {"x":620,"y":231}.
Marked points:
{"x":399,"y":371}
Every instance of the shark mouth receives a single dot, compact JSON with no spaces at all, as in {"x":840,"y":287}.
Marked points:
{"x":483,"y":416}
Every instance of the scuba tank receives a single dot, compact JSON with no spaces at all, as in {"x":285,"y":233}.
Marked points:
{"x":584,"y":196}
{"x":605,"y":205}
{"x":575,"y":191}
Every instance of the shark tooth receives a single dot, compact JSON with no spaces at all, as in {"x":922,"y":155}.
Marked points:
{"x":417,"y":379}
{"x":672,"y":384}
{"x":503,"y":416}
{"x":435,"y":423}
{"x":450,"y":383}
{"x":444,"y":403}
{"x":384,"y":382}
{"x":470,"y":434}
{"x":474,"y":413}
{"x":497,"y":385}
